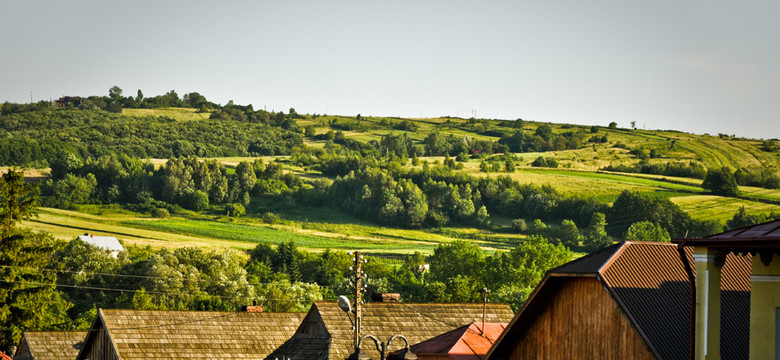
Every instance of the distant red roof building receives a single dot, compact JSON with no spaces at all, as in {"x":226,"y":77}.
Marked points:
{"x":467,"y":342}
{"x":69,"y":100}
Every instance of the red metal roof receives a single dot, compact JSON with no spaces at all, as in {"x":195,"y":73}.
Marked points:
{"x":4,"y":356}
{"x":650,"y":285}
{"x":467,"y":342}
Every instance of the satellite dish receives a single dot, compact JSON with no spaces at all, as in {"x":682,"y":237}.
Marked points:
{"x":344,"y":304}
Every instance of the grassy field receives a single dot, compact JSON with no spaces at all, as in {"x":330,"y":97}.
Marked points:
{"x":181,"y":114}
{"x":711,"y":207}
{"x":216,"y":232}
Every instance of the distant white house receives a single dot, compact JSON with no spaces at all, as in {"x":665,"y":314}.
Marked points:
{"x":108,"y":243}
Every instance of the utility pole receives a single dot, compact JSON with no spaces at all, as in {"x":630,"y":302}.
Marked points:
{"x":484,"y":309}
{"x":358,"y":296}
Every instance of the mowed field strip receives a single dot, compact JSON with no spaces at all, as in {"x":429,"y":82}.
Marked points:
{"x":176,"y":232}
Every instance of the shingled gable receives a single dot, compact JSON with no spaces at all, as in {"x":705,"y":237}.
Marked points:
{"x":326,"y":332}
{"x":142,"y":334}
{"x":50,"y":345}
{"x":634,"y":303}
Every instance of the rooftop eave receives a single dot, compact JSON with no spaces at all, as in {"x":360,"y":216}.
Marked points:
{"x":740,"y":243}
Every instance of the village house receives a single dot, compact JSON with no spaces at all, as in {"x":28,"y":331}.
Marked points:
{"x":631,"y":300}
{"x":148,"y":334}
{"x":108,"y":243}
{"x":327,"y":331}
{"x":50,"y":345}
{"x":758,"y":245}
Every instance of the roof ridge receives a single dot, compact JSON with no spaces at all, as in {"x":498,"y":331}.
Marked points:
{"x":602,"y":251}
{"x":742,"y":229}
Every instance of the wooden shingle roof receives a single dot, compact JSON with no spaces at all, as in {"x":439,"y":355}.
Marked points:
{"x":326,"y":333}
{"x":144,"y":334}
{"x":50,"y":345}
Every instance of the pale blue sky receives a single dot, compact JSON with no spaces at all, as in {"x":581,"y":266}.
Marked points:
{"x":695,"y":66}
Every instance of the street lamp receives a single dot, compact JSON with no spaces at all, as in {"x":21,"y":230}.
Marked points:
{"x":382,"y":348}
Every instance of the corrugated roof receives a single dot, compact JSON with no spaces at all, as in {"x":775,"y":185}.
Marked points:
{"x":141,"y":334}
{"x":589,"y":264}
{"x":649,"y":283}
{"x":761,"y":236}
{"x":4,"y":356}
{"x":50,"y":345}
{"x":104,"y":242}
{"x":417,"y":322}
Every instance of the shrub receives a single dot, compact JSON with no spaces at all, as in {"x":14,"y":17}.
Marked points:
{"x":160,"y":213}
{"x":235,"y":210}
{"x":721,"y":182}
{"x":519,"y":225}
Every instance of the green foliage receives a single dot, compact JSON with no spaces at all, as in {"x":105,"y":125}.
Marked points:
{"x":542,"y":162}
{"x":235,"y":210}
{"x":18,"y":200}
{"x":74,"y":189}
{"x":513,"y":275}
{"x":691,"y":170}
{"x":647,"y":231}
{"x":595,"y":236}
{"x":721,"y":182}
{"x":29,"y":300}
{"x":568,"y":234}
{"x":286,"y":296}
{"x":631,"y":207}
{"x":756,"y":176}
{"x":519,"y":225}
{"x":509,"y":166}
{"x":44,"y":136}
{"x":742,"y":218}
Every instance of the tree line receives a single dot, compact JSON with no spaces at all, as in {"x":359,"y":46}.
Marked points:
{"x":386,"y":193}
{"x":39,"y":137}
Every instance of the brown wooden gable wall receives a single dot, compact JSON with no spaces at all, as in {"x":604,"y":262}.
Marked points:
{"x":100,"y":348}
{"x":313,"y":324}
{"x":23,"y":352}
{"x":581,"y":321}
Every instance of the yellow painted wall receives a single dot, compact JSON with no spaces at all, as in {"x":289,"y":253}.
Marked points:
{"x":764,"y":299}
{"x":708,"y":305}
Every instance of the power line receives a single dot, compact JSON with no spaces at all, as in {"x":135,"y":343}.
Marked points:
{"x":172,"y":294}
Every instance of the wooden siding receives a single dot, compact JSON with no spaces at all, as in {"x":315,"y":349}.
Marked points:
{"x":100,"y":348}
{"x":581,"y":321}
{"x":23,"y":352}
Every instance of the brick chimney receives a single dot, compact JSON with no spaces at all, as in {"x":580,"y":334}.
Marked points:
{"x":385,"y":297}
{"x":252,"y":308}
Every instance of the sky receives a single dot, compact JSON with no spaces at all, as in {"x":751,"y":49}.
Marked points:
{"x":695,"y":66}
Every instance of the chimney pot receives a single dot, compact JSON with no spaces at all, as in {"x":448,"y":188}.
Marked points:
{"x":252,"y":308}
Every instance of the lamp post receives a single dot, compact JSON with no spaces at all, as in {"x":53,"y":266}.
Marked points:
{"x":382,"y":348}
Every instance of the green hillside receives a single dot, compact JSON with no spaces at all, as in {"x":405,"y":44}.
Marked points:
{"x":582,"y":154}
